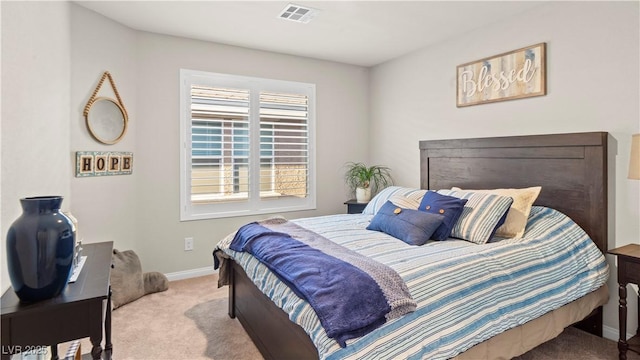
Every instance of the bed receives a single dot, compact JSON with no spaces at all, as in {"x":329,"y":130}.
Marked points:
{"x":572,"y":171}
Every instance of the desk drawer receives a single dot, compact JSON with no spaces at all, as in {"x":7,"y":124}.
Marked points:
{"x":628,"y":271}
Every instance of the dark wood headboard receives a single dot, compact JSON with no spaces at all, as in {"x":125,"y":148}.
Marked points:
{"x":571,"y":168}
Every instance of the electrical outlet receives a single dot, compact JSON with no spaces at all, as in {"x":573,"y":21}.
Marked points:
{"x":188,"y":244}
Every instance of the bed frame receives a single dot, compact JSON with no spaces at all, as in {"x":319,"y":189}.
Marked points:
{"x":571,"y":168}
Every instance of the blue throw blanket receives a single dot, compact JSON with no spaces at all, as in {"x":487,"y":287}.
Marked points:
{"x":351,"y":294}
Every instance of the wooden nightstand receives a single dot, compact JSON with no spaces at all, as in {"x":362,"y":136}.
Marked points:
{"x":628,"y":272}
{"x":354,"y":207}
{"x":83,"y":309}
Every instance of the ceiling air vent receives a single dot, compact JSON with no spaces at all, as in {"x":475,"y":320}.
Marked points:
{"x":298,"y":13}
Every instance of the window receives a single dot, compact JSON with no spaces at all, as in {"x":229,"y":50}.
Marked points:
{"x":247,"y":145}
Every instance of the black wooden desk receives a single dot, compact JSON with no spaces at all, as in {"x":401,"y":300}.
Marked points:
{"x":628,"y":272}
{"x":76,"y":313}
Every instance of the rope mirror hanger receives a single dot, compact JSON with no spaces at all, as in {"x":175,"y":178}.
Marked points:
{"x":106,"y":118}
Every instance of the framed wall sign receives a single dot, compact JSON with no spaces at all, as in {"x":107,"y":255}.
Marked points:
{"x":101,"y":163}
{"x":513,"y":75}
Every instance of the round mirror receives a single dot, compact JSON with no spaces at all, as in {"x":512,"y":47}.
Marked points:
{"x":106,"y":120}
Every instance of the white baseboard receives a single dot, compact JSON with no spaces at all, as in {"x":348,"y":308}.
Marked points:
{"x":612,"y":333}
{"x":188,"y":274}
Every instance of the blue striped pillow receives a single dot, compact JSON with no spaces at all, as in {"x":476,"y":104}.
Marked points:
{"x":405,"y":202}
{"x":480,"y":216}
{"x":383,"y":196}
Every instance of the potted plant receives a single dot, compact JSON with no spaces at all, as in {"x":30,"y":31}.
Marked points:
{"x":365,"y":179}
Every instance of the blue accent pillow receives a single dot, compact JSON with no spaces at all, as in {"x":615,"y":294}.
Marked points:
{"x":449,"y":207}
{"x":411,"y":226}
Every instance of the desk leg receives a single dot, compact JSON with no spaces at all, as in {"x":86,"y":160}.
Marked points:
{"x":96,"y":350}
{"x":108,"y":347}
{"x":96,"y":329}
{"x":54,"y":352}
{"x":622,"y":318}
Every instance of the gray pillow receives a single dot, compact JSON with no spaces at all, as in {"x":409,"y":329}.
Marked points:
{"x":127,"y":281}
{"x":155,"y":282}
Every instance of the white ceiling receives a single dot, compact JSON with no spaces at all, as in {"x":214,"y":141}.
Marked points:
{"x":362,"y":33}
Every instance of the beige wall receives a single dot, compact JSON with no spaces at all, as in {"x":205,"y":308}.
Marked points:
{"x":105,"y":206}
{"x":592,"y":81}
{"x":141,"y":211}
{"x":592,"y":60}
{"x":342,"y":108}
{"x":35,"y":108}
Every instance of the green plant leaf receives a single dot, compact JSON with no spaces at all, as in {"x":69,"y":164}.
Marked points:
{"x":360,"y":175}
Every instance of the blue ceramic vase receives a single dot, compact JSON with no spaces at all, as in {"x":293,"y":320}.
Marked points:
{"x":40,"y":249}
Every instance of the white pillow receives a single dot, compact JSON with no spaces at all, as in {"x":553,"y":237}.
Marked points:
{"x":518,"y":214}
{"x":405,"y":202}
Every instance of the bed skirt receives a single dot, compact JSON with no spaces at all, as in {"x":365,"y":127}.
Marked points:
{"x":519,"y":340}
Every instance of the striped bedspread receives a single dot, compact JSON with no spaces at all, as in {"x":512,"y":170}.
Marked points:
{"x":466,"y":293}
{"x":351,"y":293}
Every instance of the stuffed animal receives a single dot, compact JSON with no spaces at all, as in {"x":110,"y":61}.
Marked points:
{"x":129,"y":283}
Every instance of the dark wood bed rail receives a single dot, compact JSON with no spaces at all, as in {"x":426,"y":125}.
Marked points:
{"x":267,"y":325}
